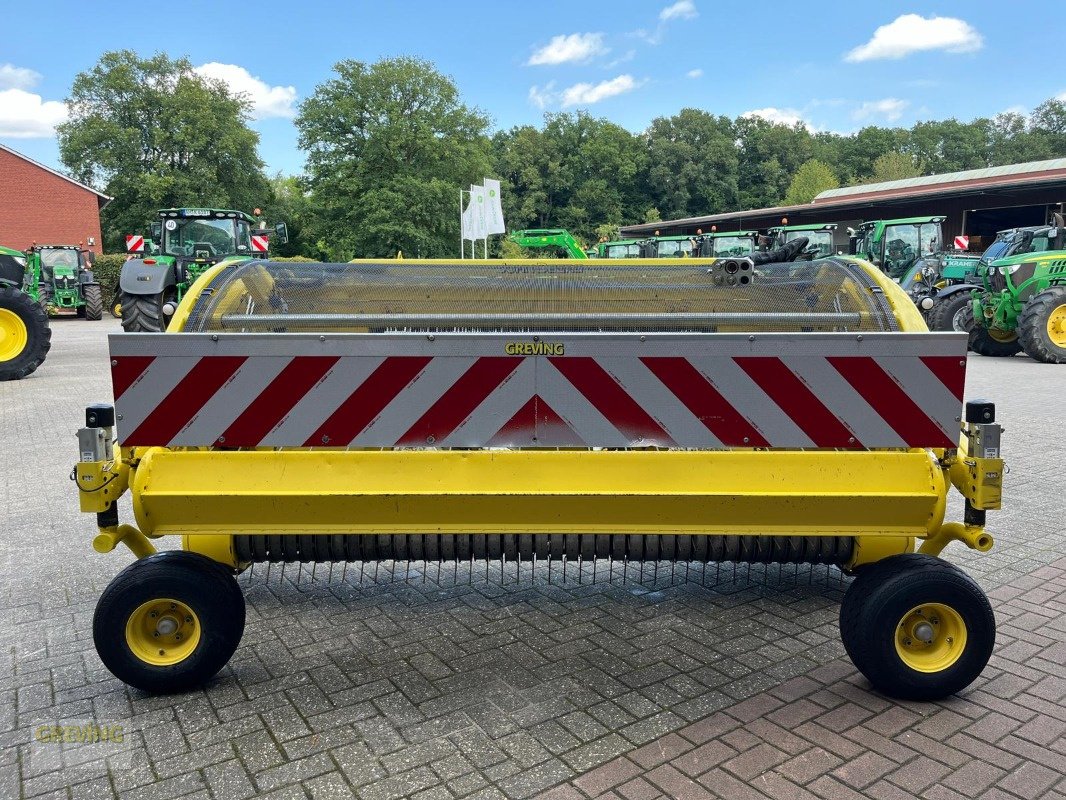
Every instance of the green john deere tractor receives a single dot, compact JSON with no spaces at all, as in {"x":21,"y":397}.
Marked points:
{"x":556,"y":238}
{"x":183,"y":244}
{"x":62,"y":281}
{"x":24,"y":333}
{"x":725,"y":244}
{"x":819,"y":238}
{"x":1021,"y":302}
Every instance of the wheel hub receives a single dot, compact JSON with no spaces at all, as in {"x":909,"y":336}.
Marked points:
{"x":163,"y":632}
{"x":13,"y":334}
{"x":1056,"y":326}
{"x":930,"y":637}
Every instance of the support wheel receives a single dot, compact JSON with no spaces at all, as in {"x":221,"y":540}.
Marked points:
{"x":949,"y":314}
{"x":25,"y":337}
{"x":143,"y":313}
{"x":169,"y":622}
{"x":94,"y":301}
{"x":917,"y":627}
{"x":1042,"y":326}
{"x":989,"y":341}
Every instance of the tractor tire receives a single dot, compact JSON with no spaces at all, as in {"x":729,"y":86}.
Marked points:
{"x":94,"y":301}
{"x":984,"y":343}
{"x":1042,"y":326}
{"x":917,"y":627}
{"x":45,"y":293}
{"x":949,"y":314}
{"x":142,"y":313}
{"x":25,"y":337}
{"x":169,"y":622}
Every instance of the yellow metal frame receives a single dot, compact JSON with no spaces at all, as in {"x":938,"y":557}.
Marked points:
{"x":885,"y":499}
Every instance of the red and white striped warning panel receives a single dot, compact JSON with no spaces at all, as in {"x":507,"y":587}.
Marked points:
{"x":260,"y":242}
{"x":134,"y":243}
{"x":962,"y":242}
{"x":701,"y":391}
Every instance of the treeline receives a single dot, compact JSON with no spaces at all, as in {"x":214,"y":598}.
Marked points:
{"x":389,"y":144}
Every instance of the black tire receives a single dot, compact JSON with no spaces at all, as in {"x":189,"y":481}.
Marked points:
{"x":985,"y":344}
{"x":950,"y":314}
{"x":881,"y":598}
{"x":17,"y":306}
{"x":94,"y":301}
{"x":45,"y":293}
{"x":202,"y":585}
{"x":1040,"y":315}
{"x":142,"y":313}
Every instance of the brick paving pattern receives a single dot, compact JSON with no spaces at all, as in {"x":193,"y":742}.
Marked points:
{"x":426,"y":683}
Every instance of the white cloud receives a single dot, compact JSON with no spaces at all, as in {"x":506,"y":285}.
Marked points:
{"x":589,"y":93}
{"x":682,"y":9}
{"x":563,"y":49}
{"x":12,"y":77}
{"x":890,"y":108}
{"x":267,"y":100}
{"x":778,"y":116}
{"x":694,"y":73}
{"x":27,"y":116}
{"x":542,"y":96}
{"x":911,"y":33}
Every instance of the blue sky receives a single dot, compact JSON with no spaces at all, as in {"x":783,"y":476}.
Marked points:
{"x":835,"y":65}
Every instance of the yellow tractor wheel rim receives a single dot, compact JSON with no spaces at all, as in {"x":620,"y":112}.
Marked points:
{"x":931,"y":637}
{"x":1056,"y":326}
{"x":1002,"y":336}
{"x":116,"y":310}
{"x":163,"y":632}
{"x":13,"y":334}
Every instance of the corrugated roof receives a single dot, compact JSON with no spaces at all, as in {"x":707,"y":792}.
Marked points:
{"x":1008,"y":170}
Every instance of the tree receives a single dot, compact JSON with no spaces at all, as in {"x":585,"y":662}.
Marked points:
{"x":812,"y":178}
{"x":692,"y":164}
{"x":153,"y":134}
{"x":893,"y":166}
{"x":389,"y":146}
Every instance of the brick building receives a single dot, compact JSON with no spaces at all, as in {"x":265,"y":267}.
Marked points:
{"x":38,"y":204}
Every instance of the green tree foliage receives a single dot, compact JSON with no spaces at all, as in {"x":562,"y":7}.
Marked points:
{"x":576,"y":172}
{"x":893,"y":166}
{"x":153,"y":134}
{"x":812,"y":178}
{"x":692,"y":164}
{"x":389,"y":145}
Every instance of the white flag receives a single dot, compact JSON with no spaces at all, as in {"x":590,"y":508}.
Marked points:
{"x":467,"y":219}
{"x":494,"y":213}
{"x":477,"y":205}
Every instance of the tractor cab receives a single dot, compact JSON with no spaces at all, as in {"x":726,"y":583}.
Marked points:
{"x":667,"y":247}
{"x":894,"y":245}
{"x":59,"y":263}
{"x":725,"y":244}
{"x":819,"y":238}
{"x":626,"y":248}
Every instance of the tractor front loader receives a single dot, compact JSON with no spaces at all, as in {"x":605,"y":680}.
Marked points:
{"x":543,"y":412}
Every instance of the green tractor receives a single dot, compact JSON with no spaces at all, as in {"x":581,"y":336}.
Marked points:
{"x":621,"y":248}
{"x":555,"y":238}
{"x":183,"y":244}
{"x":61,"y":280}
{"x":24,"y":333}
{"x":1021,"y":303}
{"x":725,"y":244}
{"x":819,"y":238}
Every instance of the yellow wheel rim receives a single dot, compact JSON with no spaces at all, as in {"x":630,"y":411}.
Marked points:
{"x":13,"y":334}
{"x":163,"y":632}
{"x":1056,"y":326}
{"x":931,"y":637}
{"x":1002,"y":335}
{"x":116,"y":310}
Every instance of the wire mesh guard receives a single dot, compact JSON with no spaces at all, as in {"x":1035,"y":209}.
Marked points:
{"x":392,"y":295}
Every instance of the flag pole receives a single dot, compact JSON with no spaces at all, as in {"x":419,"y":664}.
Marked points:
{"x":462,"y":243}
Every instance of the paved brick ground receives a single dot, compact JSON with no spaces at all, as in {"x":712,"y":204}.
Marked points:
{"x":426,"y":684}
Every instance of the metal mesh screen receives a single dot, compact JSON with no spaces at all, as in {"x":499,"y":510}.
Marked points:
{"x":687,"y":295}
